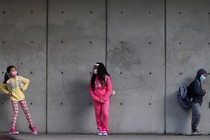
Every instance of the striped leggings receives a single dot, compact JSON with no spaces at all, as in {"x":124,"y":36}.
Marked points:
{"x":23,"y":104}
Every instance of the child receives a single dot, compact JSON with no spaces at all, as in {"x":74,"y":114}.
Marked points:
{"x":14,"y":86}
{"x":100,"y":90}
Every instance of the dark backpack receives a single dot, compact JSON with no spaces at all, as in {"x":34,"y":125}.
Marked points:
{"x":184,"y":101}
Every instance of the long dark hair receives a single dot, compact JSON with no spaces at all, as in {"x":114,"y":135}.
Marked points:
{"x":6,"y":76}
{"x":102,"y":72}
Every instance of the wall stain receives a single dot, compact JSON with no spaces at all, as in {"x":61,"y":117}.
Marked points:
{"x":124,"y":56}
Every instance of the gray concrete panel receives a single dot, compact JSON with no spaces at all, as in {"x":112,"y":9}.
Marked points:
{"x":76,"y":42}
{"x":136,"y":64}
{"x":188,"y":33}
{"x":23,"y":44}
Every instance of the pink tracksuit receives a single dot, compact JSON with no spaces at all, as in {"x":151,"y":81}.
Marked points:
{"x":102,"y":109}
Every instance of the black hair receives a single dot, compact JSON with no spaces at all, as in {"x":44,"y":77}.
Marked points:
{"x":6,"y":76}
{"x":102,"y":72}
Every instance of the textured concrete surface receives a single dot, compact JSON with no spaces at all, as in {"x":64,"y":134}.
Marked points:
{"x":55,"y":43}
{"x":137,"y":77}
{"x":76,"y":42}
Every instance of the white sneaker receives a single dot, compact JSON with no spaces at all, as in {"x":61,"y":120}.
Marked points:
{"x":99,"y":133}
{"x":105,"y":134}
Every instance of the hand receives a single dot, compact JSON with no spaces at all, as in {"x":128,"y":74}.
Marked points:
{"x":204,"y":91}
{"x":100,"y":101}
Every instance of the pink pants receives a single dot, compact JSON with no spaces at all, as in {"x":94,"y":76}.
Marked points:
{"x":102,"y":116}
{"x":25,"y":110}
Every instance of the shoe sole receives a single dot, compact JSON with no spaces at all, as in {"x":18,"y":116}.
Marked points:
{"x":35,"y":133}
{"x":13,"y":133}
{"x":100,"y":134}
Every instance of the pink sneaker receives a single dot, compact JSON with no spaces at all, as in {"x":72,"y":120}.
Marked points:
{"x":13,"y":132}
{"x":33,"y":130}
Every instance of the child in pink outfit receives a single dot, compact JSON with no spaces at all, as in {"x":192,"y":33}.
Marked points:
{"x":100,"y":90}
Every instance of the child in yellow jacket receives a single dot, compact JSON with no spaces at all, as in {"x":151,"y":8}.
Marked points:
{"x":14,"y":86}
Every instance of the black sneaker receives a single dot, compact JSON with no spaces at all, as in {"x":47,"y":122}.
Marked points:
{"x":196,"y":132}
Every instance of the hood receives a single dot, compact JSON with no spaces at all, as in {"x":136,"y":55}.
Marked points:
{"x":199,"y":73}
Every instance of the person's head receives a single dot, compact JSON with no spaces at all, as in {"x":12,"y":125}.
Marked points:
{"x":99,"y":70}
{"x":11,"y":72}
{"x":201,"y":75}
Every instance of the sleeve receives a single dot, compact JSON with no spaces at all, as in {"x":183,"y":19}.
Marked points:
{"x":25,"y":83}
{"x":196,"y":89}
{"x":108,"y":89}
{"x":95,"y":98}
{"x":4,"y":89}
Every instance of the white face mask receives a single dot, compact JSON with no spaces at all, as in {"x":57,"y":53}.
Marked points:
{"x":95,"y":71}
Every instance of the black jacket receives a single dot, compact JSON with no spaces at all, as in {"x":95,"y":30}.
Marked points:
{"x":195,"y":88}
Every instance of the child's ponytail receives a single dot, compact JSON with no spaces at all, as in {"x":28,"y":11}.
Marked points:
{"x":6,"y":76}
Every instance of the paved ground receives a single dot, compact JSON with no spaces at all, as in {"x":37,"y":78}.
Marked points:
{"x":110,"y":137}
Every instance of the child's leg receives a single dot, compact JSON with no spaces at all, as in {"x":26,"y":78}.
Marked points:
{"x":26,"y":112}
{"x":97,"y":107}
{"x":105,"y":116}
{"x":15,"y":113}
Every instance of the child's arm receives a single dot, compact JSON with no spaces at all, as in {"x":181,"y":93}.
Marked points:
{"x":25,"y":82}
{"x":108,"y":88}
{"x":4,"y":89}
{"x":95,"y":98}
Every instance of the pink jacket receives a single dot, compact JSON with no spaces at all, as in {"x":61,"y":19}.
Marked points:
{"x":100,"y":92}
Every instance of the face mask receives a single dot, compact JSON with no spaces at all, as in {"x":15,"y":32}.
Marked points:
{"x":14,"y":73}
{"x":95,"y":71}
{"x":202,"y":78}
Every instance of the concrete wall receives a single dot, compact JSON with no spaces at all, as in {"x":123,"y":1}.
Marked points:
{"x":150,"y":47}
{"x":188,"y":37}
{"x":137,"y":77}
{"x":23,"y":44}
